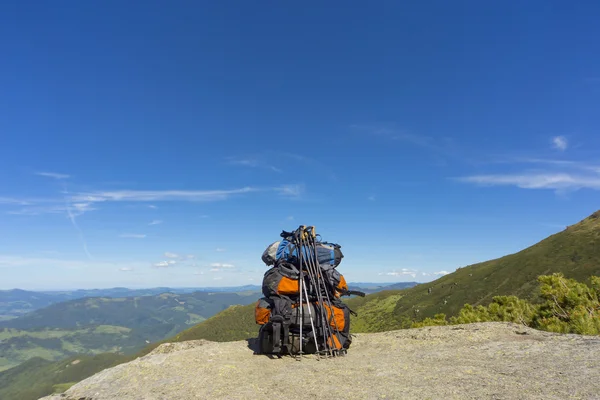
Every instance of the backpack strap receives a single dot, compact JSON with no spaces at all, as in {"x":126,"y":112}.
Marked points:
{"x":281,"y":320}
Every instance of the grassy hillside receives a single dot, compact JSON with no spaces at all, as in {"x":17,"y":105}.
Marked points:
{"x":97,"y":325}
{"x":575,"y":252}
{"x":38,"y":377}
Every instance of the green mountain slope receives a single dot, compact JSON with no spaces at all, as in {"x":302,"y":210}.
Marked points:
{"x":97,"y":325}
{"x":38,"y":377}
{"x":575,"y":252}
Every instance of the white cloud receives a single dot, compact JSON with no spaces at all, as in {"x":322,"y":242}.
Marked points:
{"x":161,"y":195}
{"x":152,"y":206}
{"x":221,"y":265}
{"x":253,"y":163}
{"x":78,"y":203}
{"x":11,"y":200}
{"x":560,"y":143}
{"x":247,"y":162}
{"x":217,"y":278}
{"x":190,"y":256}
{"x":171,"y":255}
{"x":556,"y":181}
{"x":220,"y":249}
{"x":293,"y":191}
{"x":402,"y":272}
{"x":156,"y":222}
{"x":133,"y":235}
{"x":161,"y":264}
{"x":75,"y":209}
{"x":215,"y":270}
{"x":441,"y":273}
{"x":444,"y":146}
{"x":198,"y":273}
{"x":164,"y":264}
{"x":53,"y":175}
{"x":125,"y":269}
{"x":36,"y":262}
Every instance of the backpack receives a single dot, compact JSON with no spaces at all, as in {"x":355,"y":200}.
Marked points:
{"x":280,"y":322}
{"x":315,"y":320}
{"x":329,"y":255}
{"x":283,"y":279}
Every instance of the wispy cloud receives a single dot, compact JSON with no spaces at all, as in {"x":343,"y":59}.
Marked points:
{"x":15,"y":201}
{"x":125,"y":269}
{"x":555,"y":181}
{"x":73,"y":210}
{"x":219,"y":266}
{"x":165,"y":264}
{"x":76,"y":209}
{"x":540,"y":173}
{"x":79,"y":203}
{"x":161,"y":195}
{"x":53,"y":175}
{"x":440,"y":146}
{"x":156,"y":222}
{"x":560,"y":143}
{"x":171,"y":255}
{"x":9,"y":261}
{"x":253,"y":162}
{"x":440,"y":273}
{"x":401,"y":272}
{"x":290,"y":191}
{"x":220,"y":249}
{"x":133,"y":235}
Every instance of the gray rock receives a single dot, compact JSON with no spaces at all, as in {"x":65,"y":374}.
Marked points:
{"x":474,"y":361}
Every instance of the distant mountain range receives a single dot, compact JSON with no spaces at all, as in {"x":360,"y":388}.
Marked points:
{"x":16,"y":302}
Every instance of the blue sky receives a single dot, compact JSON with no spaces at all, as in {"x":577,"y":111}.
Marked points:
{"x":168,"y":143}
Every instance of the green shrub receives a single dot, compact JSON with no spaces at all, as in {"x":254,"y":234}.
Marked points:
{"x":567,"y":306}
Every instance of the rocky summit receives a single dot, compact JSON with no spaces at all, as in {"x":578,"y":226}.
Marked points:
{"x":476,"y":361}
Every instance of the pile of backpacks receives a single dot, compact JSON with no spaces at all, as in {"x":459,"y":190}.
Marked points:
{"x":301,"y":311}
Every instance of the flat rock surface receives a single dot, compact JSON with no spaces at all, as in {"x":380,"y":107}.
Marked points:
{"x":474,"y":361}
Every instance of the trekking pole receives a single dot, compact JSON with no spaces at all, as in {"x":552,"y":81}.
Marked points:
{"x":301,"y":305}
{"x":300,"y":286}
{"x":313,"y":281}
{"x":313,"y":267}
{"x":327,"y":287}
{"x":304,"y":291}
{"x":312,"y":326}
